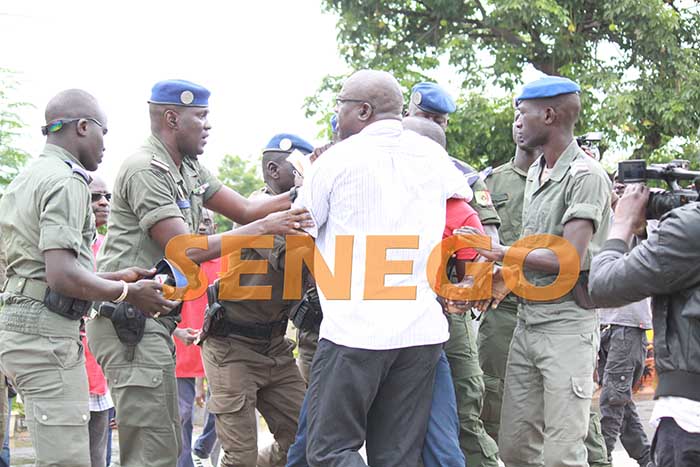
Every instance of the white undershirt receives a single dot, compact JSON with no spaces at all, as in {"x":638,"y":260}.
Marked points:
{"x":686,"y":412}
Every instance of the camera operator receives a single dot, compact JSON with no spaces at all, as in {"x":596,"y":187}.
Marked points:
{"x":667,"y":267}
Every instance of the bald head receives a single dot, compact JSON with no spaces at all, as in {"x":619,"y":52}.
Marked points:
{"x":82,"y":126}
{"x":427,"y":128}
{"x":73,"y":103}
{"x":367,"y":97}
{"x":379,"y":88}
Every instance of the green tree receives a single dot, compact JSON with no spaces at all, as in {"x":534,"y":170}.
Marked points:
{"x":638,"y":61}
{"x":11,"y":157}
{"x":240,"y":175}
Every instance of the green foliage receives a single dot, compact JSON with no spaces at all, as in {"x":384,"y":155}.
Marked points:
{"x":240,"y":175}
{"x":638,"y":61}
{"x":11,"y":157}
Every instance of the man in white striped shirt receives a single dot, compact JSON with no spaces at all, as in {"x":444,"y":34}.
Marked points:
{"x":373,"y":373}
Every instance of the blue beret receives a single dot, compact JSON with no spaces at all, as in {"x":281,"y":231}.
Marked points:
{"x":289,"y":142}
{"x":179,"y":92}
{"x":547,"y":86}
{"x":430,"y":97}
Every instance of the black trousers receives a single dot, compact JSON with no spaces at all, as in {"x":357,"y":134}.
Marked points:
{"x":621,"y":364}
{"x":675,"y":447}
{"x":382,"y":397}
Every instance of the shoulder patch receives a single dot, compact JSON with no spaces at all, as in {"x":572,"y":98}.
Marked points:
{"x":79,"y":171}
{"x":483,"y":198}
{"x":160,"y":165}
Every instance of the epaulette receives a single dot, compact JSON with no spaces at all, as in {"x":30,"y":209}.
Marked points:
{"x":79,"y":170}
{"x":159,"y":164}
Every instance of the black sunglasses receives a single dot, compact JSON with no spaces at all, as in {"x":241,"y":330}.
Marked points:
{"x":96,"y":196}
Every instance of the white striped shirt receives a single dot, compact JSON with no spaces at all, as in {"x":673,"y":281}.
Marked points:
{"x":382,"y":181}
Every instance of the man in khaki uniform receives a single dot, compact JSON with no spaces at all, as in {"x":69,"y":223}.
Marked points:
{"x":549,"y":376}
{"x":507,"y":186}
{"x":428,"y":100}
{"x":48,"y":227}
{"x":159,"y":194}
{"x":248,"y":360}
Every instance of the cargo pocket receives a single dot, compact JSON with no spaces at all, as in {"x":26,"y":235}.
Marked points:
{"x":619,"y":386}
{"x":61,"y":430}
{"x":582,"y":386}
{"x":235,"y":424}
{"x":225,"y":403}
{"x":139,"y":397}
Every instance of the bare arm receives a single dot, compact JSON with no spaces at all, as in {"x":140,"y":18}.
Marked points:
{"x":65,"y":276}
{"x":578,"y":232}
{"x":279,"y":223}
{"x":242,"y":210}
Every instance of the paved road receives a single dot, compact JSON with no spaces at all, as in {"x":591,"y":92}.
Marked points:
{"x":23,"y":454}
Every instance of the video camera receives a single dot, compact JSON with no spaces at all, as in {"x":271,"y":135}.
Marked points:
{"x":661,"y":201}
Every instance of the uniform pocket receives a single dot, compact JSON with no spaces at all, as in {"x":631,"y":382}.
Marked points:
{"x":582,"y":386}
{"x":140,"y":396}
{"x":225,"y":403}
{"x":68,"y":352}
{"x":619,"y":386}
{"x":60,"y":432}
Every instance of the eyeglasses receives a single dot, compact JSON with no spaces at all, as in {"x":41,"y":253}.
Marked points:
{"x":340,"y":100}
{"x":97,"y":195}
{"x":56,"y":125}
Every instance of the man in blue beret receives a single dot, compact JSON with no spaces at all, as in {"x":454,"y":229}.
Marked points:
{"x":242,"y":362}
{"x":549,"y":376}
{"x":159,"y":193}
{"x":432,"y":102}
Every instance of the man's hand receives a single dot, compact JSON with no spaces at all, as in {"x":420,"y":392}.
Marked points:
{"x":631,"y":208}
{"x":186,"y":335}
{"x":497,"y":251}
{"x":133,"y":274}
{"x":147,"y":296}
{"x":199,"y":394}
{"x":290,"y":222}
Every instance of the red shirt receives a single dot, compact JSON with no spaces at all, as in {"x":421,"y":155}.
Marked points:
{"x":188,"y":362}
{"x":460,"y":214}
{"x":96,"y":378}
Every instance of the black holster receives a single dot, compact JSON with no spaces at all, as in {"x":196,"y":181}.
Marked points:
{"x":213,"y":315}
{"x":129,"y":324}
{"x":307,"y":314}
{"x":68,"y":307}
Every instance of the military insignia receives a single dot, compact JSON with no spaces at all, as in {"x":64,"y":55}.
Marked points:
{"x":160,"y":165}
{"x":79,"y":171}
{"x":416,"y":98}
{"x":285,"y":144}
{"x":183,"y":203}
{"x":186,"y":97}
{"x":483,"y":198}
{"x":201,"y":189}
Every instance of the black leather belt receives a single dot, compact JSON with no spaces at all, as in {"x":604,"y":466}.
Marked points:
{"x":253,"y":330}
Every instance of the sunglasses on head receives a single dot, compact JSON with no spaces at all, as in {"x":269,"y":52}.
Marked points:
{"x":56,"y":125}
{"x":96,"y":196}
